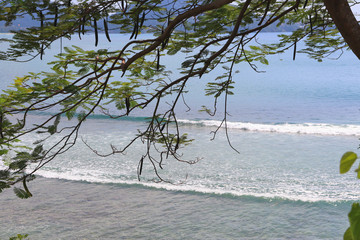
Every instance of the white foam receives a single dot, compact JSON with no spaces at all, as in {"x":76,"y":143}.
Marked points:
{"x":303,"y":128}
{"x":310,"y":197}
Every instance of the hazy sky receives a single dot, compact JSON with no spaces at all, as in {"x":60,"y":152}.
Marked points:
{"x":356,"y":9}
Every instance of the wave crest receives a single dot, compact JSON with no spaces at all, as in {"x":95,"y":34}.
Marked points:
{"x":293,"y":128}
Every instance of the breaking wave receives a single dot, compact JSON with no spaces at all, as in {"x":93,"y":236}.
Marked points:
{"x":293,"y":128}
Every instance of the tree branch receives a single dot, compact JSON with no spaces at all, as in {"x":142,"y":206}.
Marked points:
{"x":345,"y":22}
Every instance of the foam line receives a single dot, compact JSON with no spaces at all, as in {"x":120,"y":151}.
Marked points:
{"x":303,"y":128}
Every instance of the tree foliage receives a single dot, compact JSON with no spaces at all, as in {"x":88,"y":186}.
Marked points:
{"x":213,"y":33}
{"x":19,"y":237}
{"x":353,"y":232}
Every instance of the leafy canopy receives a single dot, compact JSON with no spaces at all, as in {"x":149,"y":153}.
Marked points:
{"x":213,"y":34}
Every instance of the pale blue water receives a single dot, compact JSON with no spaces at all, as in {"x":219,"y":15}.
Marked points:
{"x":291,"y":125}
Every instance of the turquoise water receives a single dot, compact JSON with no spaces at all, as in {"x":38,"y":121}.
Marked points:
{"x":290,"y":124}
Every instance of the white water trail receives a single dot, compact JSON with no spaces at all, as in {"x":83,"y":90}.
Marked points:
{"x":292,"y":128}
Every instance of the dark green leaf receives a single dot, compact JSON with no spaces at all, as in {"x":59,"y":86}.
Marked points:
{"x":3,"y":151}
{"x":52,"y":129}
{"x":71,"y":89}
{"x":3,"y":185}
{"x":120,"y":104}
{"x":106,"y":29}
{"x":81,"y":116}
{"x":18,"y":165}
{"x":21,"y":193}
{"x":4,"y":174}
{"x":37,"y":151}
{"x":70,"y":114}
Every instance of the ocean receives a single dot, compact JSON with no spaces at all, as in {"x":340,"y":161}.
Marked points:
{"x":291,"y":124}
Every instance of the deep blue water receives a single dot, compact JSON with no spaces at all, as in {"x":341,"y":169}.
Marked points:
{"x":290,"y":124}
